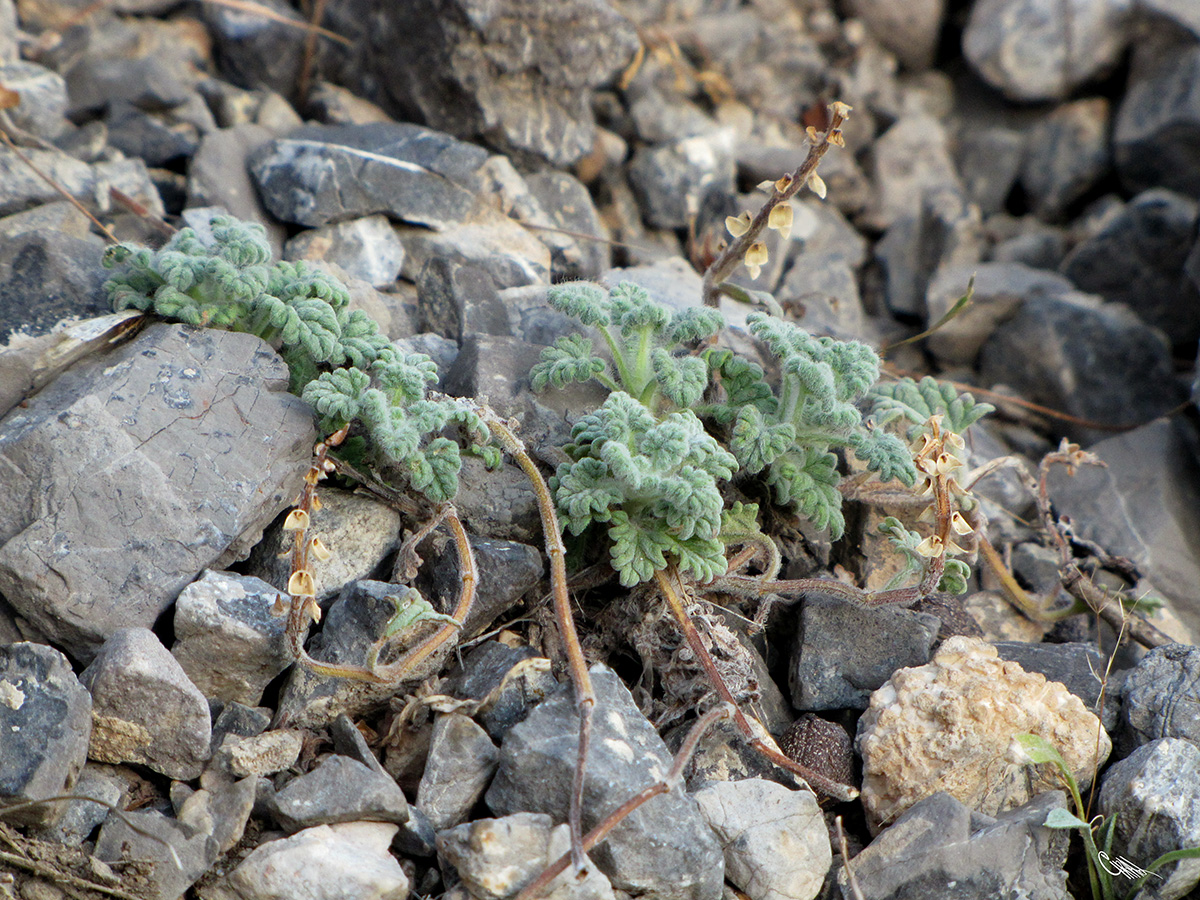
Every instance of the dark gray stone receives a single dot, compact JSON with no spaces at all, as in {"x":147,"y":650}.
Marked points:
{"x":144,"y":708}
{"x":1144,"y":505}
{"x":47,"y":276}
{"x":1041,"y":49}
{"x":180,"y":853}
{"x":941,"y":848}
{"x":910,"y":158}
{"x":1137,"y":258}
{"x":458,"y":299}
{"x":989,"y":158}
{"x":515,"y":73}
{"x":1089,"y":359}
{"x":462,"y":760}
{"x":671,"y":179}
{"x":663,"y":847}
{"x":513,"y":256}
{"x":1154,"y":795}
{"x":846,"y":650}
{"x":339,"y":790}
{"x":1156,"y":139}
{"x":569,"y":205}
{"x":1158,"y":699}
{"x":1068,"y":153}
{"x":91,"y":185}
{"x":348,"y":741}
{"x":486,"y":670}
{"x":139,"y":468}
{"x":257,"y":51}
{"x":220,"y":811}
{"x":45,"y":723}
{"x":42,"y":102}
{"x":1079,"y":667}
{"x":1180,"y":12}
{"x":81,"y":817}
{"x":505,"y":571}
{"x":227,"y":637}
{"x":154,"y":138}
{"x":218,"y":176}
{"x":320,"y":174}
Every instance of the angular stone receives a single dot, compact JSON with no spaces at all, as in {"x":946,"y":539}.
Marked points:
{"x":320,"y":174}
{"x":366,"y":248}
{"x":256,"y":50}
{"x":846,"y":650}
{"x":45,"y":722}
{"x":80,"y":817}
{"x":253,"y":756}
{"x":42,"y":101}
{"x":91,"y":185}
{"x":942,"y":848}
{"x":1157,"y":131}
{"x":487,"y":667}
{"x":775,"y":840}
{"x":1080,"y":668}
{"x":227,"y":639}
{"x":339,"y":790}
{"x":218,"y":176}
{"x":671,"y":179}
{"x":1068,"y":153}
{"x":537,"y":761}
{"x":144,"y":708}
{"x":513,"y":256}
{"x":155,"y":138}
{"x":180,"y":853}
{"x":1151,"y":707}
{"x":569,"y":205}
{"x":1078,"y":355}
{"x":1042,"y":49}
{"x":45,"y":277}
{"x":908,"y":159}
{"x":989,"y":158}
{"x":462,"y":760}
{"x":221,"y":812}
{"x":459,"y":299}
{"x":949,"y":725}
{"x":1154,"y":795}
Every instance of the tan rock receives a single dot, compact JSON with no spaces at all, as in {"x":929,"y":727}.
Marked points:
{"x":949,"y":726}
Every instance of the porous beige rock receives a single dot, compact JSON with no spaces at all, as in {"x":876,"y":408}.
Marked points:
{"x":949,"y":726}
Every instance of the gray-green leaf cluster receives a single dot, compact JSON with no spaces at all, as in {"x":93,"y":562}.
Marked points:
{"x":652,"y":482}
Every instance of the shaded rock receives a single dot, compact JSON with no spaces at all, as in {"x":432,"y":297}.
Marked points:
{"x":1042,"y":49}
{"x":227,"y":638}
{"x":1137,"y":258}
{"x":495,"y":858}
{"x":42,"y":97}
{"x":359,"y":530}
{"x":1151,"y":707}
{"x":1000,"y":289}
{"x":775,"y":841}
{"x":157,"y":139}
{"x":513,"y":256}
{"x":513,"y":679}
{"x":365,"y":248}
{"x":1181,"y":12}
{"x":948,"y":726}
{"x":1080,"y":668}
{"x":47,"y":276}
{"x":663,"y":846}
{"x":672,"y":179}
{"x":1078,"y":355}
{"x":339,"y":790}
{"x":320,"y":174}
{"x":45,"y":722}
{"x":569,"y":205}
{"x":941,"y":847}
{"x":1157,"y":131}
{"x":1068,"y":153}
{"x":144,"y":708}
{"x":218,"y":176}
{"x":516,"y":74}
{"x":81,"y":817}
{"x":989,"y":158}
{"x":462,"y":760}
{"x":1154,"y":795}
{"x":220,"y":812}
{"x":138,"y":470}
{"x":240,"y":720}
{"x":908,"y":159}
{"x":459,"y":300}
{"x":911,"y":33}
{"x":498,"y":502}
{"x":255,"y":50}
{"x":845,"y":650}
{"x":179,"y":852}
{"x":327,"y":862}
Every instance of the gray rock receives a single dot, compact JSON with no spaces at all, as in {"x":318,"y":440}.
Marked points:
{"x":359,"y":530}
{"x":569,"y":205}
{"x":498,"y":502}
{"x":1036,"y":246}
{"x":218,"y":176}
{"x":366,"y":248}
{"x":139,"y":468}
{"x":1144,"y":506}
{"x":180,"y":853}
{"x":672,"y":179}
{"x":1078,"y":355}
{"x":1137,"y":258}
{"x":45,"y":722}
{"x":459,"y":299}
{"x":42,"y":102}
{"x":1158,"y":124}
{"x":227,"y":638}
{"x":911,"y":33}
{"x":462,"y":760}
{"x":155,"y":138}
{"x":724,"y":755}
{"x":845,"y":650}
{"x":353,"y":623}
{"x":1181,"y":12}
{"x":258,"y":51}
{"x":485,"y":674}
{"x":908,"y":159}
{"x":59,"y":216}
{"x":256,"y":755}
{"x":518,"y":75}
{"x":1154,"y":795}
{"x":1042,"y":49}
{"x":45,"y":277}
{"x":1154,"y":704}
{"x":496,"y":858}
{"x":662,"y":847}
{"x":348,"y":741}
{"x":9,"y":49}
{"x":1068,"y":153}
{"x":240,"y":720}
{"x":989,"y":158}
{"x":326,"y":862}
{"x":671,"y":281}
{"x":775,"y":840}
{"x":320,"y":174}
{"x":1000,"y":289}
{"x":1079,"y":667}
{"x":339,"y":790}
{"x":81,"y":817}
{"x":144,"y":708}
{"x":513,"y":256}
{"x":941,"y":848}
{"x":505,"y":571}
{"x":826,"y":288}
{"x":220,"y":812}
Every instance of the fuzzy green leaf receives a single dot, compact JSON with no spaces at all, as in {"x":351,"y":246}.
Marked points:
{"x":916,"y":401}
{"x":581,"y":300}
{"x":681,"y":380}
{"x":569,"y":360}
{"x":885,"y":454}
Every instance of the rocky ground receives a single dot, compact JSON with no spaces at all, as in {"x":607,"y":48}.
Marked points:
{"x":449,"y":161}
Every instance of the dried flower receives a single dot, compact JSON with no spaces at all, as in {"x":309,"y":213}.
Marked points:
{"x":738,"y":225}
{"x":297,"y":520}
{"x":780,"y":219}
{"x":756,"y":258}
{"x":301,"y":584}
{"x":817,"y":185}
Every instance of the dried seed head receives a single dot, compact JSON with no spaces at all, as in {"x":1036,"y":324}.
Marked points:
{"x":783,"y":183}
{"x":738,"y":225}
{"x":297,"y":520}
{"x":301,"y":584}
{"x":780,"y":219}
{"x":318,"y":549}
{"x":839,"y":109}
{"x":960,"y":525}
{"x":756,"y":258}
{"x":812,"y":134}
{"x":316,"y":504}
{"x":835,"y":138}
{"x":817,"y":185}
{"x":931,"y":547}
